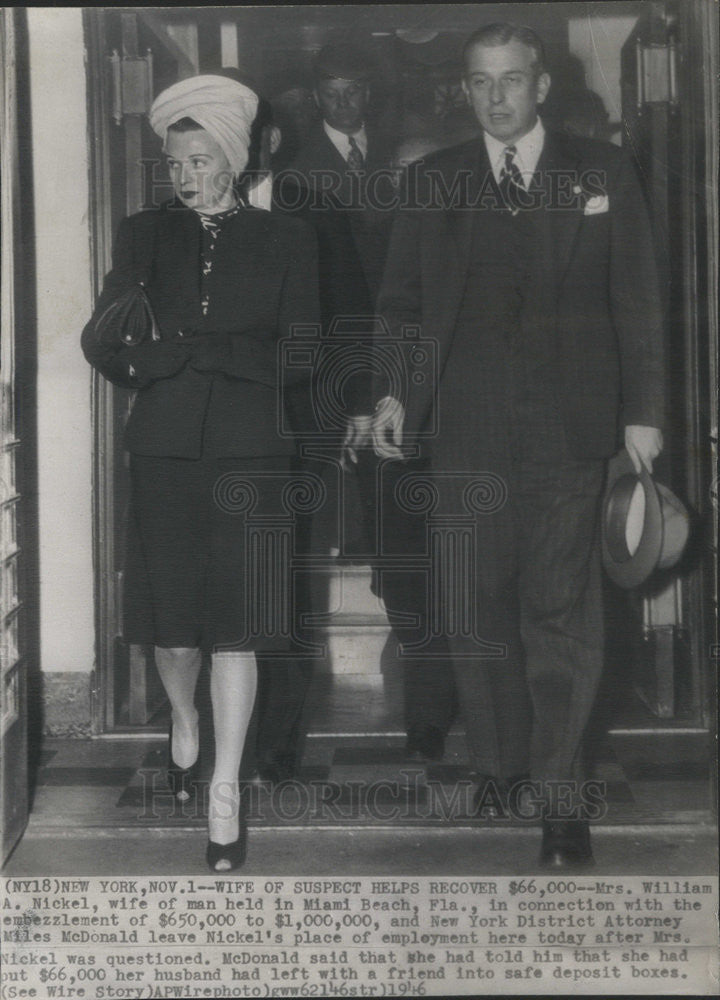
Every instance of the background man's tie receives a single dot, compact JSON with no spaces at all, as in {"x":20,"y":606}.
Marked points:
{"x":355,"y":159}
{"x":510,"y":180}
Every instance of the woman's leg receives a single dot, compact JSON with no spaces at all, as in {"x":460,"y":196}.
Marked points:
{"x":233,"y":684}
{"x":179,"y":669}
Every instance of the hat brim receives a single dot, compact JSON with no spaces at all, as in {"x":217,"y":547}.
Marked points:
{"x":629,"y":569}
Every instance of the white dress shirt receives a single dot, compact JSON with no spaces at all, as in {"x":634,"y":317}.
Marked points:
{"x":529,"y":148}
{"x":341,"y":141}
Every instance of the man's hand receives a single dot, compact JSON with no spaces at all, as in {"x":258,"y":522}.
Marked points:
{"x":386,"y":428}
{"x":357,"y":435}
{"x":643,"y":444}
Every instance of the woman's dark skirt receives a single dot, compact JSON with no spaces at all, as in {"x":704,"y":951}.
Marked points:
{"x":209,"y":550}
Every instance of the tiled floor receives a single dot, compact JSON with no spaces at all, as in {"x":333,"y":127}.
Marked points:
{"x":347,"y":780}
{"x":101,"y":806}
{"x":354,"y":772}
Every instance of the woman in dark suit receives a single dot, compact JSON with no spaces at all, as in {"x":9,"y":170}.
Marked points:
{"x":226,"y":283}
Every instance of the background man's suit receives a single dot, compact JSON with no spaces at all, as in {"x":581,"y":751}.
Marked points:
{"x":549,"y":339}
{"x":352,"y":242}
{"x":348,"y":283}
{"x":353,"y":230}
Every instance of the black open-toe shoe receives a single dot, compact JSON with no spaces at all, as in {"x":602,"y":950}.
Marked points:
{"x":233,"y":854}
{"x":181,"y":780}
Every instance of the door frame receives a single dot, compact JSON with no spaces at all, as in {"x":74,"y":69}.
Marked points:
{"x":20,"y":699}
{"x":107,"y":617}
{"x":698,"y":21}
{"x":107,"y":402}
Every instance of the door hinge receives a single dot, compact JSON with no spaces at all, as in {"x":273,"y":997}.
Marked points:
{"x":656,"y":67}
{"x":132,"y":84}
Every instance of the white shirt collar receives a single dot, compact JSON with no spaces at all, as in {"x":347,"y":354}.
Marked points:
{"x":259,"y":195}
{"x":529,"y":148}
{"x":341,"y":141}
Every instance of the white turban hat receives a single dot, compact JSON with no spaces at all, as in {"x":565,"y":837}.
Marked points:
{"x":223,"y":107}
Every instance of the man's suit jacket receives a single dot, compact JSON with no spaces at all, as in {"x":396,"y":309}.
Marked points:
{"x":263,"y":280}
{"x":351,"y":226}
{"x":602,"y":290}
{"x":320,"y":153}
{"x":352,"y":235}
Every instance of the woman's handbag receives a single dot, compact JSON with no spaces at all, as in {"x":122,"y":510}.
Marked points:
{"x":129,"y":320}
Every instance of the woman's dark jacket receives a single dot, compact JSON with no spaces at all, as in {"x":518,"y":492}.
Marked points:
{"x":223,"y":371}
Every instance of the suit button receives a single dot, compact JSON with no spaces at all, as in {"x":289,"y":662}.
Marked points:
{"x":181,"y":333}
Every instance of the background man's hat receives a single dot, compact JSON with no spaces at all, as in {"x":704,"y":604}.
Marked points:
{"x":644,"y":525}
{"x":341,"y":61}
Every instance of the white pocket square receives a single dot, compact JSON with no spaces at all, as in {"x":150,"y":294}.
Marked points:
{"x":596,"y":205}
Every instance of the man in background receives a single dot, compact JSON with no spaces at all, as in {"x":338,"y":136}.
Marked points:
{"x":349,"y":197}
{"x":343,"y":151}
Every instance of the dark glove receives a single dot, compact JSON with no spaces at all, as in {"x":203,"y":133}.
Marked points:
{"x":155,"y":360}
{"x":210,"y":352}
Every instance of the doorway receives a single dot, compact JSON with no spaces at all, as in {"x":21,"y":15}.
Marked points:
{"x":659,"y":682}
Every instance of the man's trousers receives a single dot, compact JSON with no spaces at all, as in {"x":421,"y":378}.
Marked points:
{"x":538,"y":596}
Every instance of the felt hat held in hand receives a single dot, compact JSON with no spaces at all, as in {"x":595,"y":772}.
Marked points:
{"x":644,"y":525}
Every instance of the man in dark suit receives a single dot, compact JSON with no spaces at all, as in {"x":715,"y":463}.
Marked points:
{"x":343,"y":170}
{"x":351,"y":252}
{"x":527,"y":257}
{"x":343,"y":152}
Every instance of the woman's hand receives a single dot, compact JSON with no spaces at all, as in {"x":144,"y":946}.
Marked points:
{"x":210,"y":352}
{"x":154,"y":360}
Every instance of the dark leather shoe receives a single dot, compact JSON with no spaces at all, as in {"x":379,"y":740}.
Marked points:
{"x":227,"y":857}
{"x":425,"y":743}
{"x":273,"y":770}
{"x":566,"y":844}
{"x":490,"y":798}
{"x":492,"y":795}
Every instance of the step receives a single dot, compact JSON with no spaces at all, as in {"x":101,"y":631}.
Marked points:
{"x":354,"y":625}
{"x":350,"y":591}
{"x":353,"y":648}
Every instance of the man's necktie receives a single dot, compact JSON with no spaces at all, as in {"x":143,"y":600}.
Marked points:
{"x":355,"y":158}
{"x":510,"y":180}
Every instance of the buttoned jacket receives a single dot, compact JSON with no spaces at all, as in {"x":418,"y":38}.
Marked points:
{"x":602,"y":289}
{"x":263,"y":281}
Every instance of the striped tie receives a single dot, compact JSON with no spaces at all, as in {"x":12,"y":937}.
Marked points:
{"x":355,"y":159}
{"x":510,"y":180}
